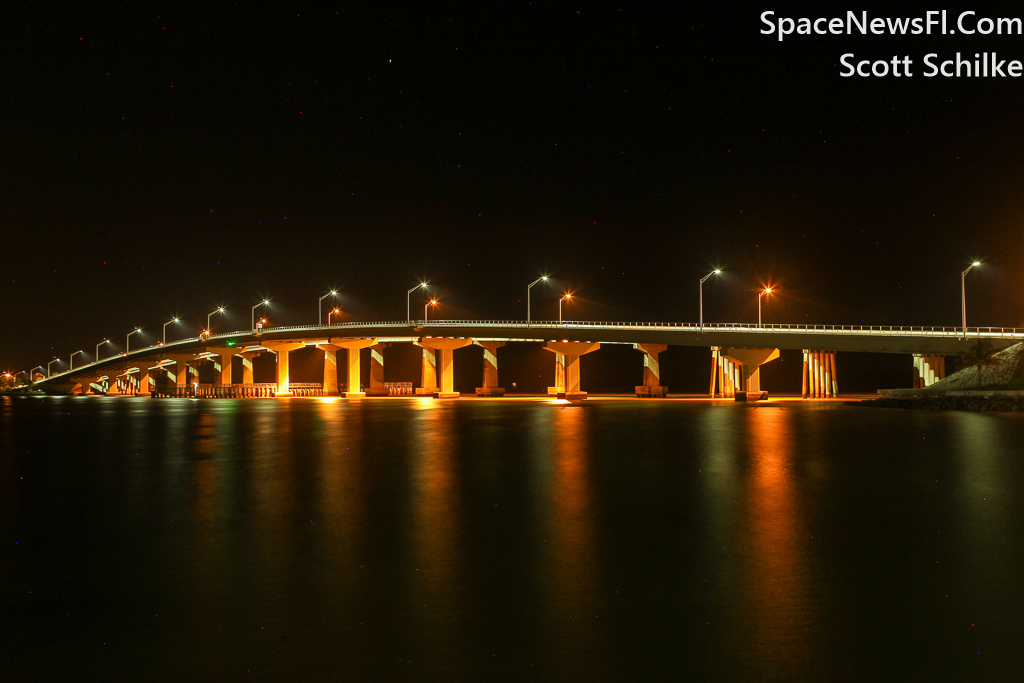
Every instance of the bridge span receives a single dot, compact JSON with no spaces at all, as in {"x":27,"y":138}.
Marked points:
{"x":737,"y":351}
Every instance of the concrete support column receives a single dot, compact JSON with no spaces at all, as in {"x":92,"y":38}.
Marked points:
{"x":820,"y":374}
{"x":742,"y":370}
{"x":222,"y":364}
{"x":445,"y":370}
{"x":571,"y":352}
{"x":143,"y":377}
{"x":376,"y":387}
{"x":714,"y":370}
{"x":490,"y":382}
{"x":559,"y":387}
{"x":84,"y":385}
{"x":928,"y":370}
{"x":428,"y":373}
{"x":354,"y":388}
{"x":438,"y":365}
{"x":282,"y":349}
{"x":652,"y":371}
{"x":179,"y":373}
{"x":247,"y":366}
{"x":330,"y":368}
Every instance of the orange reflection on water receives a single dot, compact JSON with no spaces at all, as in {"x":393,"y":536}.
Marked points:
{"x":777,"y":599}
{"x":570,"y":567}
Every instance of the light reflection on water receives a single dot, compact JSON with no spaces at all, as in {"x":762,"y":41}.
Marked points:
{"x":510,"y":540}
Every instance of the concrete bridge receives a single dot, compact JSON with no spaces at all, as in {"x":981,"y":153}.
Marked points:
{"x":737,"y":351}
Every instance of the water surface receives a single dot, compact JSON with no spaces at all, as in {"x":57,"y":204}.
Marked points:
{"x":412,"y":539}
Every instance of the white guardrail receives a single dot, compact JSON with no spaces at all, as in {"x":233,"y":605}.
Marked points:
{"x":854,"y":330}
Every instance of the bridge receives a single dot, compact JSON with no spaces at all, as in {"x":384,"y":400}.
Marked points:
{"x":737,"y":351}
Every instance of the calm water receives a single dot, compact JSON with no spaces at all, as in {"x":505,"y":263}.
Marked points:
{"x":517,"y":540}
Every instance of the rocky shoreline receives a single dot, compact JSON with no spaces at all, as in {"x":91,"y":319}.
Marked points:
{"x":973,"y":404}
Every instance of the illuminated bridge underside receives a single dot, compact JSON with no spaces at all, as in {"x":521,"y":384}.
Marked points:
{"x":930,"y":341}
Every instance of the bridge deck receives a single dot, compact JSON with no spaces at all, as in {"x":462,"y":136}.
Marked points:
{"x":867,"y":339}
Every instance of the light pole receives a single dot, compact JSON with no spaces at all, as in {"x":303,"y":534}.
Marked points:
{"x":408,"y":295}
{"x":71,"y":359}
{"x":219,"y":310}
{"x":432,"y":302}
{"x":767,"y":290}
{"x":336,"y":310}
{"x":48,"y":373}
{"x":105,"y":341}
{"x":567,"y":296}
{"x":963,"y":294}
{"x":319,"y":307}
{"x":265,"y":302}
{"x":542,"y":278}
{"x":172,"y":320}
{"x":39,"y":367}
{"x":137,"y":330}
{"x":701,"y":286}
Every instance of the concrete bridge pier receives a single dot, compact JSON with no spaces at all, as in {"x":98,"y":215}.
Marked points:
{"x":354,"y":383}
{"x":282,"y":349}
{"x":438,"y":365}
{"x":330,"y":368}
{"x":490,"y":382}
{"x":84,"y":385}
{"x":571,"y":352}
{"x":247,"y":357}
{"x":222,"y":364}
{"x":819,"y":374}
{"x":738,"y":369}
{"x":928,"y":370}
{"x":652,"y":371}
{"x":142,"y":387}
{"x":376,"y":387}
{"x":428,"y":373}
{"x":724,"y":374}
{"x":179,"y":373}
{"x":559,"y":387}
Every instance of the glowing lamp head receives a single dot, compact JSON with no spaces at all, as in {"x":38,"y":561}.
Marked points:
{"x":718,"y":272}
{"x":976,"y":263}
{"x":220,"y":310}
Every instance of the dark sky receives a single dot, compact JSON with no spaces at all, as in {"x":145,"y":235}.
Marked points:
{"x":164,"y":159}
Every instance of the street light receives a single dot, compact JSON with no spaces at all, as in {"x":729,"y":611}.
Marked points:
{"x":543,"y":278}
{"x":319,"y":307}
{"x":172,"y":320}
{"x":567,"y":296}
{"x":265,"y":302}
{"x":105,"y":341}
{"x":963,"y":293}
{"x":336,"y":310}
{"x":432,"y":302}
{"x":701,"y":286}
{"x":219,"y":310}
{"x":48,"y":373}
{"x":767,"y":290}
{"x":39,"y":367}
{"x":71,"y":359}
{"x":408,"y":315}
{"x":137,"y":330}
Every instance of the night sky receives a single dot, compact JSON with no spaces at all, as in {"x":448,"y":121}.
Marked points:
{"x":163,"y":160}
